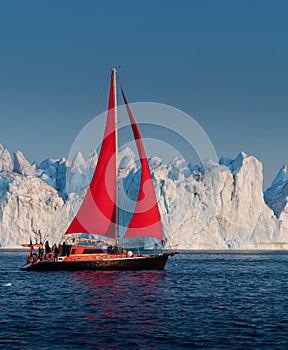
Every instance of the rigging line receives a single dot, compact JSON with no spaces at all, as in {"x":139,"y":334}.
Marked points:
{"x":119,"y":81}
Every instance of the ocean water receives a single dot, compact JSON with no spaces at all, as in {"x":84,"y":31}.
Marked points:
{"x":202,"y":300}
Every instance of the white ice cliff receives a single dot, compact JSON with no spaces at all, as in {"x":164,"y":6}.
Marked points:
{"x":207,"y":206}
{"x":276,"y":196}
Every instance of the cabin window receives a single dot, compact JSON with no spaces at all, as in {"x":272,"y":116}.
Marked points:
{"x":92,"y":251}
{"x":73,"y":251}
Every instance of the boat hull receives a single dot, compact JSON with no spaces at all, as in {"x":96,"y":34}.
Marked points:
{"x":156,"y":262}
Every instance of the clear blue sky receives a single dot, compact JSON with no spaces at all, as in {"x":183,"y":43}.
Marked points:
{"x":222,"y":62}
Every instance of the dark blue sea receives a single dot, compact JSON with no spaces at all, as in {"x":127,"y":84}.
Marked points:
{"x":202,"y":300}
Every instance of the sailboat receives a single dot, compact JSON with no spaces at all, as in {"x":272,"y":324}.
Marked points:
{"x":99,"y":212}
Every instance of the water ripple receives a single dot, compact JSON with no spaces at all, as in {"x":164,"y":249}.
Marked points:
{"x":201,"y":300}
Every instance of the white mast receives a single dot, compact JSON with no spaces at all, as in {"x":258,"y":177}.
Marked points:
{"x":114,"y":70}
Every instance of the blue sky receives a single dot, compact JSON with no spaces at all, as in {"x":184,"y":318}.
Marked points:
{"x":222,"y":62}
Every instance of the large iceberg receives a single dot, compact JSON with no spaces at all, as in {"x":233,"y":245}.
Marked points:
{"x":204,"y":206}
{"x":276,"y":196}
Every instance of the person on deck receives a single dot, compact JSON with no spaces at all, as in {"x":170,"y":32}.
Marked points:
{"x":56,"y":252}
{"x":47,"y":247}
{"x":40,"y":251}
{"x":64,"y":249}
{"x":60,"y":250}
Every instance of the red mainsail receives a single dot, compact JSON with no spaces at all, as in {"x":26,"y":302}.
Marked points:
{"x":146,"y":220}
{"x":97,"y":213}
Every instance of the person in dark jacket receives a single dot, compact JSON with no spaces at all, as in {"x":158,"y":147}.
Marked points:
{"x":47,"y":247}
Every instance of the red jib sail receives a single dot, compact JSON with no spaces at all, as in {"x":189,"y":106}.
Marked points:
{"x":98,"y":211}
{"x":146,"y":220}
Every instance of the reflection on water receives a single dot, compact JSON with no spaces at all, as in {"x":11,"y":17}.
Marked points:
{"x":124,"y":304}
{"x":201,"y":300}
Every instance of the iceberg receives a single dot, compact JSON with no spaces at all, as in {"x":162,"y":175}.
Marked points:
{"x":203,"y":206}
{"x":22,"y":165}
{"x":276,"y":195}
